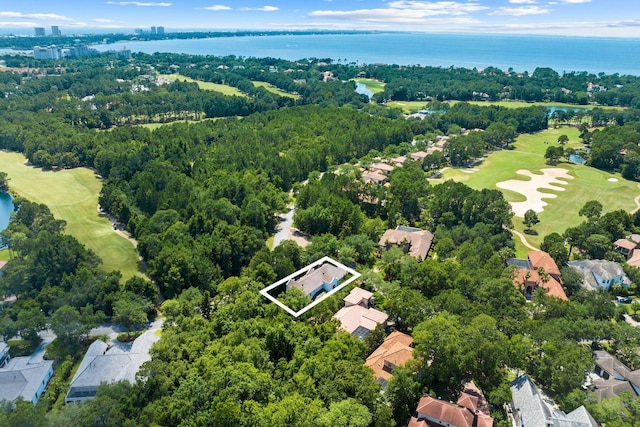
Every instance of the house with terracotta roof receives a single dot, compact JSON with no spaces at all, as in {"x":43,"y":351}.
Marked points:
{"x":465,"y":412}
{"x":399,"y":161}
{"x":613,"y":377}
{"x":382,"y":168}
{"x":375,"y":177}
{"x":414,"y":241}
{"x":624,"y":247}
{"x":539,"y":270}
{"x":419,"y":156}
{"x":395,"y":351}
{"x":358,"y":317}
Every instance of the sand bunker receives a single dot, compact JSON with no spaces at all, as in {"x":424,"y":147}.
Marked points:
{"x":613,"y":180}
{"x":470,"y":170}
{"x":551,"y":179}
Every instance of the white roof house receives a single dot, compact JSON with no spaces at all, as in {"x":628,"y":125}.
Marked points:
{"x":102,"y":364}
{"x":24,"y":377}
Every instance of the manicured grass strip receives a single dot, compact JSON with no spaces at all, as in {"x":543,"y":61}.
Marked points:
{"x":407,"y":106}
{"x":270,"y":88}
{"x":413,"y":106}
{"x":375,"y":86}
{"x":522,"y":104}
{"x":561,"y":212}
{"x":72,"y":195}
{"x":223,"y":89}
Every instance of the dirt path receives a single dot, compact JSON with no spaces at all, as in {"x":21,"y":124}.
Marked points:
{"x":524,"y":241}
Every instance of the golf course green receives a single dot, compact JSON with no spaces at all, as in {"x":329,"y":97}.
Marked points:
{"x":72,"y":195}
{"x":613,"y":191}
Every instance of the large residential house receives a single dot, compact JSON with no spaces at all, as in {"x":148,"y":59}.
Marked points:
{"x":358,"y":317}
{"x":23,"y":377}
{"x":322,"y":279}
{"x":529,"y":408}
{"x":395,"y":351}
{"x":467,"y":412}
{"x":375,"y":177}
{"x":613,"y":377}
{"x":414,"y":241}
{"x":600,"y":274}
{"x":539,"y":270}
{"x":382,"y":168}
{"x":104,"y":365}
{"x":625,"y":247}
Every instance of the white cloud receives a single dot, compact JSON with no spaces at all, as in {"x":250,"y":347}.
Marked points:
{"x":407,"y":11}
{"x":576,"y":1}
{"x":39,"y":16}
{"x":139,"y":3}
{"x":522,"y":1}
{"x":520,"y":11}
{"x":262,"y":9}
{"x":102,"y":20}
{"x":14,"y":24}
{"x":217,"y":7}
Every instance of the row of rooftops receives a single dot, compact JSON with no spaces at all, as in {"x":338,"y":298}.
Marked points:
{"x":377,"y":173}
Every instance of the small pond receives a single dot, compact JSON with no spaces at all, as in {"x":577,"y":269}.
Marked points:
{"x":362,"y":89}
{"x":6,"y":207}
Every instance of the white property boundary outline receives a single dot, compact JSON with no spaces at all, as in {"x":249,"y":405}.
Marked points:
{"x":265,"y":291}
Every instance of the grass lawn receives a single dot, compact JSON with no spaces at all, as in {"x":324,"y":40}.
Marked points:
{"x":407,"y":107}
{"x":72,"y":195}
{"x":561,"y":212}
{"x":375,"y":86}
{"x":223,"y":89}
{"x":413,"y":106}
{"x":522,"y":104}
{"x":275,"y":90}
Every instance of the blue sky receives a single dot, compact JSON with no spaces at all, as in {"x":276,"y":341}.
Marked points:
{"x":616,"y":18}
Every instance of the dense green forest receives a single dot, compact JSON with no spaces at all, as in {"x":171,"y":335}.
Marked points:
{"x":202,"y":199}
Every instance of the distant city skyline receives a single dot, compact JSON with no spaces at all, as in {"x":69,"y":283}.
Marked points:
{"x":602,"y":18}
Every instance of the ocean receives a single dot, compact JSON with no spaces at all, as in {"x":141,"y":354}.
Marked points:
{"x":519,"y":52}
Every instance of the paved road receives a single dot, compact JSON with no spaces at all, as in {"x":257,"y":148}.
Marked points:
{"x":284,"y":228}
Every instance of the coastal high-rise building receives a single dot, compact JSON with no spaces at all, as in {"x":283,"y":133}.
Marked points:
{"x":49,"y":52}
{"x":160,"y":30}
{"x":153,"y":30}
{"x":39,"y":31}
{"x":55,"y":31}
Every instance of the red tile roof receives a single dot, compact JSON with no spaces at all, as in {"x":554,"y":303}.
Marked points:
{"x":446,"y":412}
{"x":417,"y":423}
{"x":624,"y":243}
{"x":544,"y":260}
{"x":395,"y":351}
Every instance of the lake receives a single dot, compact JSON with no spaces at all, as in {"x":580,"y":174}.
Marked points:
{"x":520,"y":52}
{"x":6,"y":207}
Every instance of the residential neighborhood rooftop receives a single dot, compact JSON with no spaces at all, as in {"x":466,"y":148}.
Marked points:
{"x":25,"y":377}
{"x":395,"y":351}
{"x":102,"y":364}
{"x":415,"y":241}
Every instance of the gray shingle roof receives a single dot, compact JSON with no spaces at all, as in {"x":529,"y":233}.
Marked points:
{"x":22,"y":377}
{"x":100,"y":365}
